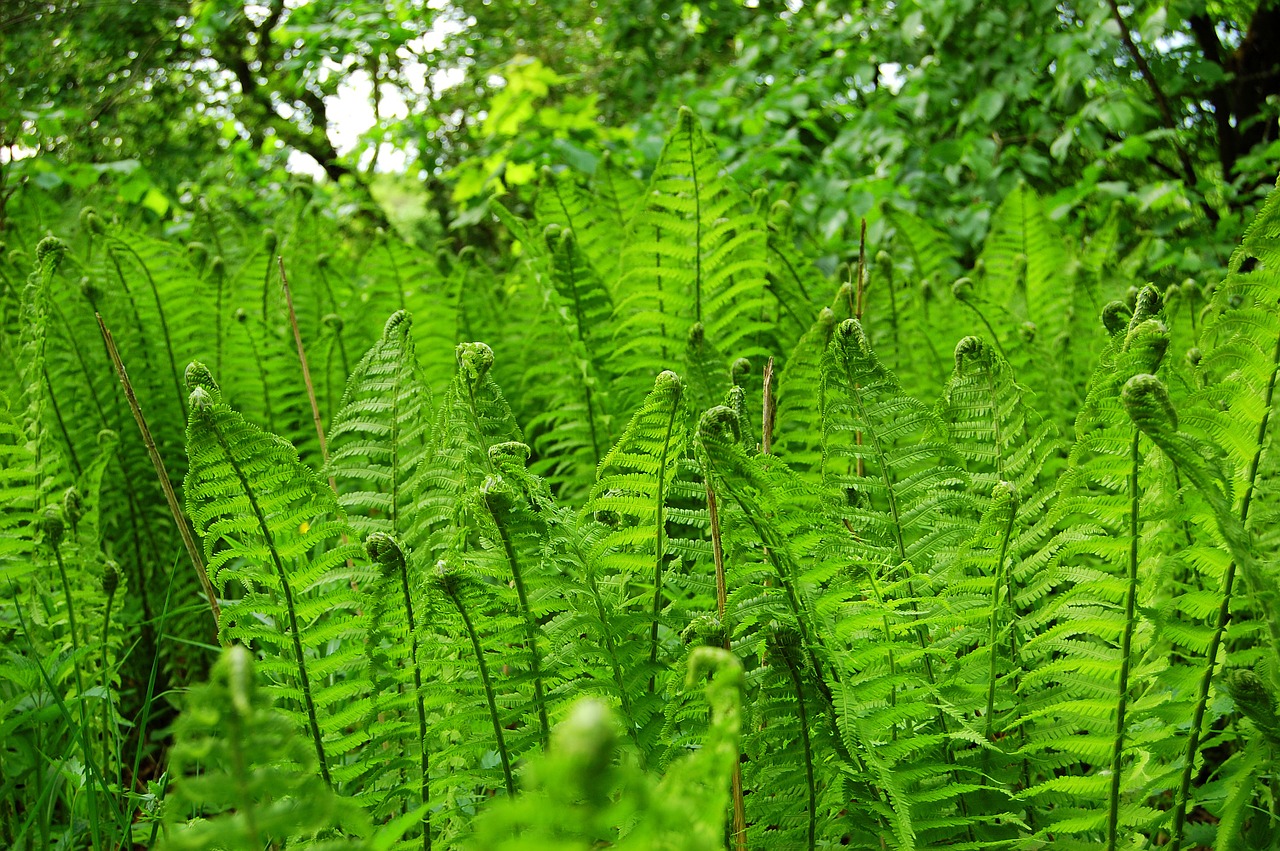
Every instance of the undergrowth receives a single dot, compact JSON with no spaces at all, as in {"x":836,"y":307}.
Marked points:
{"x":698,"y":548}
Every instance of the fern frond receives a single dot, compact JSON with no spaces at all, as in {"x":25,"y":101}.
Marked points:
{"x":694,"y":253}
{"x":565,"y":386}
{"x":638,"y":495}
{"x":276,"y":545}
{"x":380,"y":436}
{"x":888,"y":454}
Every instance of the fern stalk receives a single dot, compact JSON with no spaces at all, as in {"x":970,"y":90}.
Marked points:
{"x":306,"y":370}
{"x":164,"y":323}
{"x":768,"y":409}
{"x":171,"y":497}
{"x":530,"y":626}
{"x":659,"y":536}
{"x":385,"y":550}
{"x":739,"y":834}
{"x":992,"y":631}
{"x":1126,"y":645}
{"x":110,"y":579}
{"x":803,"y":718}
{"x":71,"y":613}
{"x":449,"y":585}
{"x":580,"y":327}
{"x":424,"y":754}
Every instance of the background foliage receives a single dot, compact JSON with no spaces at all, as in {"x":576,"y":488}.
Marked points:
{"x":873,"y":450}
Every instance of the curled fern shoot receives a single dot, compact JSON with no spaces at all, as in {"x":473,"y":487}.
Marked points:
{"x":503,"y":502}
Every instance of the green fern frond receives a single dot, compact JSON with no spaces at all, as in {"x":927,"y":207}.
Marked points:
{"x":888,"y":454}
{"x":278,"y":549}
{"x":473,"y":416}
{"x":565,"y":386}
{"x":637,"y":495}
{"x":1025,"y":261}
{"x":694,"y":253}
{"x":619,"y":191}
{"x":562,"y":201}
{"x":380,"y":436}
{"x":994,"y":427}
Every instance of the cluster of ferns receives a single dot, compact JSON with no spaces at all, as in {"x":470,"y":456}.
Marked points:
{"x":699,"y":548}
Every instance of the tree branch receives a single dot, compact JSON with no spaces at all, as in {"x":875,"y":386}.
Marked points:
{"x":1162,"y":102}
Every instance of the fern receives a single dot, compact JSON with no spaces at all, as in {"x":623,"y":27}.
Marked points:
{"x":565,"y":386}
{"x":693,"y":254}
{"x":633,"y":487}
{"x":888,"y":454}
{"x":379,"y":438}
{"x":273,"y":538}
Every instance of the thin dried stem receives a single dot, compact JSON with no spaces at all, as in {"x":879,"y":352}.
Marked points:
{"x":184,"y":529}
{"x":722,"y":596}
{"x":769,"y":410}
{"x":306,"y":370}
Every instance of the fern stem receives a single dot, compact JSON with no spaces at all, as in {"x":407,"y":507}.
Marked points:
{"x":306,"y":371}
{"x":660,"y":557}
{"x":71,"y":621}
{"x":992,"y":626}
{"x":739,"y":835}
{"x":262,"y":377}
{"x":107,"y":738}
{"x":266,"y":288}
{"x":411,"y":622}
{"x":395,"y":267}
{"x":530,"y":626}
{"x":1126,"y":646}
{"x":697,"y":232}
{"x":487,"y":682}
{"x":73,"y":341}
{"x":62,"y":424}
{"x":1224,"y":618}
{"x":133,"y":308}
{"x":287,"y":589}
{"x":995,"y":338}
{"x":80,"y":693}
{"x":768,"y":409}
{"x":220,"y":276}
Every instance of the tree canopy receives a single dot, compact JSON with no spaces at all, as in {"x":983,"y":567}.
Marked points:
{"x":940,"y":106}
